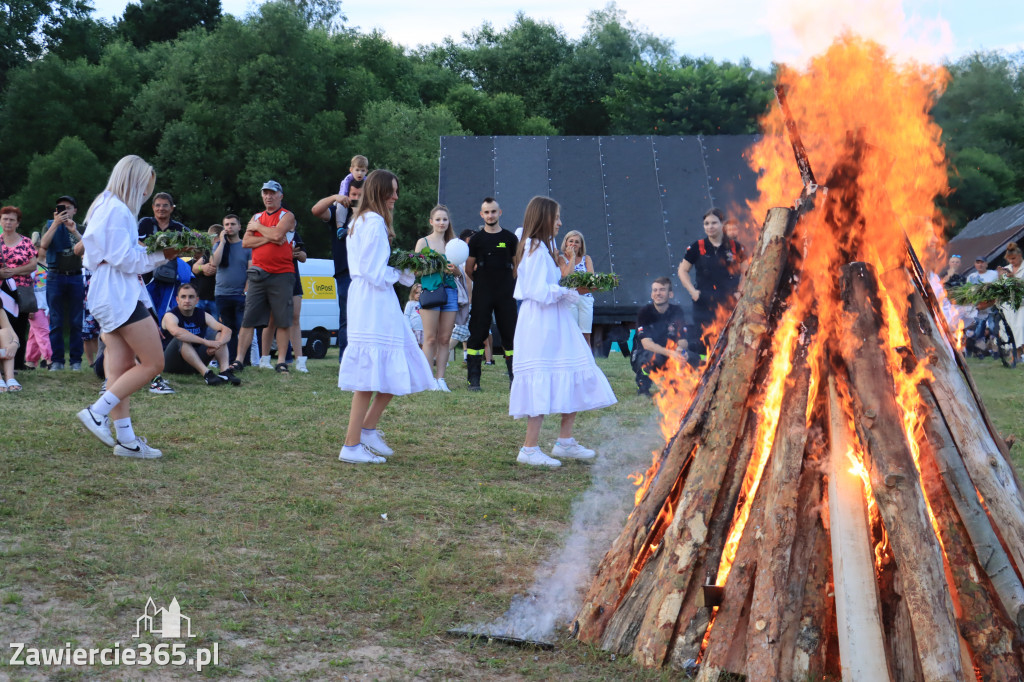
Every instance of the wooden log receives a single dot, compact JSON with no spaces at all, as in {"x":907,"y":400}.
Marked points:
{"x":929,"y":302}
{"x":748,"y":618}
{"x":978,"y":464}
{"x":776,"y":593}
{"x":809,"y":648}
{"x":898,"y":628}
{"x":983,"y":622}
{"x":734,"y":371}
{"x":894,"y":480}
{"x":858,"y":612}
{"x":626,"y":624}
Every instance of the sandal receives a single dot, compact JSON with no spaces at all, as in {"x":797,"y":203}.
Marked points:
{"x":3,"y":386}
{"x":281,"y":368}
{"x":236,"y":366}
{"x":13,"y":386}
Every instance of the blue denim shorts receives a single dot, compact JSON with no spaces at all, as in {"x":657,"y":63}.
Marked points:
{"x":452,"y":305}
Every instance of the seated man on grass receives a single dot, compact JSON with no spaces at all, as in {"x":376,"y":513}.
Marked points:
{"x":190,"y":351}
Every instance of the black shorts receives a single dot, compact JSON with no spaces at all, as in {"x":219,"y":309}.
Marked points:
{"x":141,"y":312}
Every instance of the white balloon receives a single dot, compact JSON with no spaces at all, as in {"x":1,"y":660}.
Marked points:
{"x":456,"y":251}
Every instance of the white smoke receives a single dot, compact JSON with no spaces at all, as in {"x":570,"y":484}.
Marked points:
{"x":598,"y":516}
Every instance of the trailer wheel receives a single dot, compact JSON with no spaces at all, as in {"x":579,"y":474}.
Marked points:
{"x":317,"y":343}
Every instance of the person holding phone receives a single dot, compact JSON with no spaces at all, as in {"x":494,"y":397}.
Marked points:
{"x":65,"y":285}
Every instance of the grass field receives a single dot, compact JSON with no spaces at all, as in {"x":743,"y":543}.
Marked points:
{"x":280,"y":554}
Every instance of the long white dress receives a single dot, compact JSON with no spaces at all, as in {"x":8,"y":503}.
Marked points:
{"x":382,"y":354}
{"x":554,"y":369}
{"x":1015,"y":318}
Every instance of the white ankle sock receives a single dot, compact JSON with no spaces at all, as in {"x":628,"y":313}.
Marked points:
{"x":566,"y":441}
{"x":106,"y":402}
{"x":125,"y":432}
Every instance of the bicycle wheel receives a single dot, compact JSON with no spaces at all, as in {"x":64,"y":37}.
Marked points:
{"x":1006,"y":345}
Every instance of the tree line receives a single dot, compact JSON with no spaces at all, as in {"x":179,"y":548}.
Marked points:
{"x":219,"y":104}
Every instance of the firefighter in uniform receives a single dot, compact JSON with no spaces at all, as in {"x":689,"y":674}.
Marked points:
{"x":718,"y":263}
{"x":490,"y":267}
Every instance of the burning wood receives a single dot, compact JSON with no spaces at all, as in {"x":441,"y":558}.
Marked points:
{"x":834,"y":477}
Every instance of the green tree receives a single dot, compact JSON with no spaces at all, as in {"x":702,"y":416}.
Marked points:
{"x":70,"y":168}
{"x":153,"y":21}
{"x":693,"y":96}
{"x":28,"y":27}
{"x":501,"y":114}
{"x":982,"y":118}
{"x":406,"y":140}
{"x":611,"y":45}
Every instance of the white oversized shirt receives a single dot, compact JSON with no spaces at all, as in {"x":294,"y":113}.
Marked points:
{"x":113,"y":253}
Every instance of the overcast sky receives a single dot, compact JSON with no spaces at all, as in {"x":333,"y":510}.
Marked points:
{"x":761,"y":30}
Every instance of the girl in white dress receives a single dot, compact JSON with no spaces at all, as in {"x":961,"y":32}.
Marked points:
{"x":382,"y":354}
{"x":554,"y":369}
{"x":119,"y":303}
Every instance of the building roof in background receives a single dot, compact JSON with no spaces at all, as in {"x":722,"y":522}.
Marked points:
{"x":987,"y":236}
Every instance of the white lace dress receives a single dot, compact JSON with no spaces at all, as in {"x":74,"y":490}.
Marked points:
{"x":554,"y":369}
{"x":382,"y":353}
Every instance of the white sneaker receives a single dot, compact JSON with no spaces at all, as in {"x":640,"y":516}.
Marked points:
{"x":535,"y":457}
{"x":358,"y":454}
{"x":375,"y":443}
{"x":100,"y":426}
{"x":443,"y":386}
{"x":265,"y":362}
{"x":138,"y":448}
{"x":574,"y":451}
{"x":300,"y":365}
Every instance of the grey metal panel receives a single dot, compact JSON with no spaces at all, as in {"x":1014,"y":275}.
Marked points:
{"x":635,"y":219}
{"x":520,"y":173}
{"x":732,"y":182}
{"x":466,"y":176}
{"x":637,"y":200}
{"x":683,"y":183}
{"x":577,"y":185}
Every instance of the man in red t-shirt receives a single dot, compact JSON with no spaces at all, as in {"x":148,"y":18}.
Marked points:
{"x":272,"y":276}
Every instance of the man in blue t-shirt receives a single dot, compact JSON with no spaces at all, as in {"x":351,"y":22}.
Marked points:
{"x":190,"y":351}
{"x":65,"y":286}
{"x":336,"y":213}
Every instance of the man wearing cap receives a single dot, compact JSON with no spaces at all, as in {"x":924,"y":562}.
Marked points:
{"x":984,"y":320}
{"x":65,"y":287}
{"x":272,"y":275}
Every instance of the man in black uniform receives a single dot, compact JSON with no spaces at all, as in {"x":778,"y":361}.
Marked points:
{"x":718,"y":262}
{"x":489,"y":267}
{"x":660,"y":335}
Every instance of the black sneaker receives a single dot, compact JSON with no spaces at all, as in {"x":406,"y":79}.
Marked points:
{"x":214,"y":379}
{"x":230,"y":376}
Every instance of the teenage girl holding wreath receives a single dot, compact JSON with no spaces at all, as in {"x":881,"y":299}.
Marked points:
{"x":382,"y":356}
{"x":554,"y":370}
{"x":439,"y":320}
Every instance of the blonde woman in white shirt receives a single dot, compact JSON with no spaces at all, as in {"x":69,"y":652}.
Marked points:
{"x":119,"y":302}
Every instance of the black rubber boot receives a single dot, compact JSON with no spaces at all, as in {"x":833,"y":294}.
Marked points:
{"x":508,"y":363}
{"x":473,"y":367}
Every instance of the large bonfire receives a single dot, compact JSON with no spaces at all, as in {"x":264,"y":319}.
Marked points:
{"x":833,"y":500}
